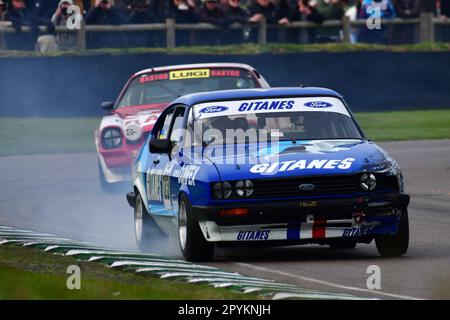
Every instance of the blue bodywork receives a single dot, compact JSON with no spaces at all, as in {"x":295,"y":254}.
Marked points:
{"x":160,"y":178}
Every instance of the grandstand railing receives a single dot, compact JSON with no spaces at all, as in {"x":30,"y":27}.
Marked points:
{"x":425,"y":26}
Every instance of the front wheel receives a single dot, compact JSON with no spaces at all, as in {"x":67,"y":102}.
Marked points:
{"x":148,"y":235}
{"x":397,"y":244}
{"x":192,"y":242}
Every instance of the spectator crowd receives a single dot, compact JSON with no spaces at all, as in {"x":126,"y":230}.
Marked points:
{"x":51,"y":13}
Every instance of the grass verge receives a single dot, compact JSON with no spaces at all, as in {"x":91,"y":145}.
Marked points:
{"x":27,"y":273}
{"x":248,"y":48}
{"x":50,"y":135}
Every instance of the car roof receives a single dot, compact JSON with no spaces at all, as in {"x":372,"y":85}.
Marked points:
{"x":195,"y":66}
{"x":243,"y":94}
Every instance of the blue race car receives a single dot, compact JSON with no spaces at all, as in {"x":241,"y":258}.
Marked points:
{"x":268,"y":166}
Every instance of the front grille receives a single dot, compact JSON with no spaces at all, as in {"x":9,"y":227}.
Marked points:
{"x":323,"y":185}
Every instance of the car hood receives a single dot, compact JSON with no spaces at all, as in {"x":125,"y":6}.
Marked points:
{"x":304,"y":158}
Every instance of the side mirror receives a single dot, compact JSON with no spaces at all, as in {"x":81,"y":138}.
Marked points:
{"x":107,"y":105}
{"x":159,"y":145}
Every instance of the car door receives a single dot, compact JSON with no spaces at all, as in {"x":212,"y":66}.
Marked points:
{"x":166,"y":166}
{"x":153,"y":178}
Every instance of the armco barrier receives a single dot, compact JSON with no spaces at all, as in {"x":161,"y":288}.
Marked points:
{"x":369,"y":80}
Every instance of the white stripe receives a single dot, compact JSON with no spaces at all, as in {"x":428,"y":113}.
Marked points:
{"x":330,"y":284}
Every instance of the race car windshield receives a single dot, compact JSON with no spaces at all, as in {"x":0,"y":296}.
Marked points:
{"x":164,"y":87}
{"x":295,"y":120}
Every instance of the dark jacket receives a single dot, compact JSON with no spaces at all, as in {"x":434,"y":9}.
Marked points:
{"x":103,"y":17}
{"x":180,"y":16}
{"x":141,"y":16}
{"x":216,"y":16}
{"x":407,"y":8}
{"x":445,"y":7}
{"x":21,"y":19}
{"x":269,"y":12}
{"x":237,"y":14}
{"x":315,"y":16}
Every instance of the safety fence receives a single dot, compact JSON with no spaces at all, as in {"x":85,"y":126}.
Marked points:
{"x":170,"y":34}
{"x":159,"y":266}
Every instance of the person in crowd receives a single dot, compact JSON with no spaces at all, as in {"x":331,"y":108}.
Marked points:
{"x":330,"y":9}
{"x":305,"y":12}
{"x":407,"y":9}
{"x":2,"y":9}
{"x":283,"y":11}
{"x":386,"y":10}
{"x":103,"y":13}
{"x":263,"y":9}
{"x":234,"y":12}
{"x":183,"y":11}
{"x":444,"y":9}
{"x":64,"y":40}
{"x":140,"y":11}
{"x":20,"y":17}
{"x":211,"y":12}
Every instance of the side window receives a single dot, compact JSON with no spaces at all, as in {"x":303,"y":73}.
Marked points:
{"x":163,"y":132}
{"x":177,"y":128}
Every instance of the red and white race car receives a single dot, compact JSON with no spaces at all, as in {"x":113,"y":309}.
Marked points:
{"x":130,"y":119}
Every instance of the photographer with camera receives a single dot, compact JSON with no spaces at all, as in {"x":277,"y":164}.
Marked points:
{"x":64,"y":40}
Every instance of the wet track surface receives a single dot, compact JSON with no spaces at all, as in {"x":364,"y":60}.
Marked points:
{"x":60,"y":194}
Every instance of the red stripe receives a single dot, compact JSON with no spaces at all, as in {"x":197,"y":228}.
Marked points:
{"x":319,"y":228}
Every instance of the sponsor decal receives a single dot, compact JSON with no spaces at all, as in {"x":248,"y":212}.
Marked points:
{"x":188,"y":174}
{"x":213,"y":109}
{"x":225,"y":73}
{"x":318,"y":104}
{"x":267,"y":105}
{"x":253,"y":235}
{"x":189,"y":74}
{"x":158,"y":183}
{"x":356,"y":231}
{"x":308,"y":204}
{"x":133,"y":132}
{"x":266,"y":168}
{"x":153,"y":77}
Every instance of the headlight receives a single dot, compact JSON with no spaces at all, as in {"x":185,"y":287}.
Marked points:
{"x":222,"y":190}
{"x":111,"y":138}
{"x":244,"y":188}
{"x":368,"y":181}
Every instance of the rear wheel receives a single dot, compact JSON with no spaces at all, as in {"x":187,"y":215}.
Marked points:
{"x":148,"y":235}
{"x":192,"y":242}
{"x":397,"y":244}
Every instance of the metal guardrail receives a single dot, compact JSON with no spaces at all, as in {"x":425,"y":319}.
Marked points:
{"x":425,"y":23}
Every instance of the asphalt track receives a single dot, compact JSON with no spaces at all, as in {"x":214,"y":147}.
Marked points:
{"x":60,"y":194}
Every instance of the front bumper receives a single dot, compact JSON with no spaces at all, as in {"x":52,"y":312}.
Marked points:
{"x":312,"y":220}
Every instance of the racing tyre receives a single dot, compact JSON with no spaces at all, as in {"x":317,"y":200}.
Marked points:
{"x":343,"y":244}
{"x":148,"y":235}
{"x":397,"y":244}
{"x":192,"y":242}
